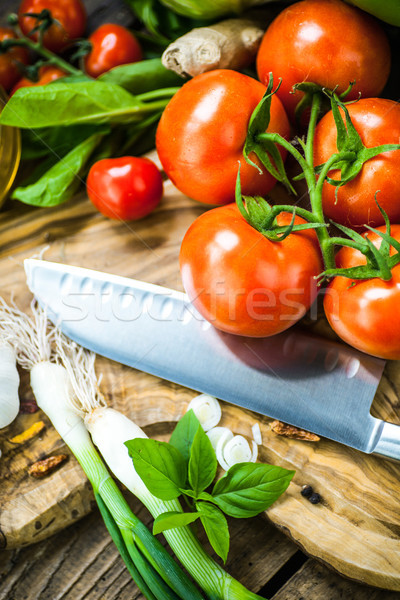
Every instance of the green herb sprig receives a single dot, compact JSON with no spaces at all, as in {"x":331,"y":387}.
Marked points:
{"x":187,"y":466}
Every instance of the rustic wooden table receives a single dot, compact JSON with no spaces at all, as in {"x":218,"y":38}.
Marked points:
{"x":81,"y":562}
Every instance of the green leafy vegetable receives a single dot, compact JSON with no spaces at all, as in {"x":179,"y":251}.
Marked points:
{"x":160,"y":466}
{"x":172,"y":519}
{"x":71,"y":103}
{"x":216,"y":528}
{"x":57,"y":141}
{"x":248,"y":489}
{"x":61,"y":181}
{"x":183,"y":435}
{"x":202,"y":462}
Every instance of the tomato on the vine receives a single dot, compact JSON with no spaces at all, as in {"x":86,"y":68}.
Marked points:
{"x":70,"y":17}
{"x":9,"y":61}
{"x":126,"y":188}
{"x":112,"y":45}
{"x":243,"y":283}
{"x":202,"y":131}
{"x":46,"y":75}
{"x":364,"y":313}
{"x":326,"y":42}
{"x":377,"y":121}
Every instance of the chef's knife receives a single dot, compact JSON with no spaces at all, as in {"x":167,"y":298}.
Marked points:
{"x":308,"y":382}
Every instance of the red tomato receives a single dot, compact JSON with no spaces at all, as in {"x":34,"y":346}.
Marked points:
{"x":364,"y":313}
{"x":243,"y":283}
{"x":71,"y":17}
{"x":377,"y":122}
{"x":327,"y":42}
{"x":127,"y":188}
{"x":9,"y":71}
{"x":112,"y":45}
{"x":202,"y":131}
{"x":46,"y":75}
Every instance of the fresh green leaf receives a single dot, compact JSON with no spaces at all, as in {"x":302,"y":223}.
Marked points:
{"x":161,"y":467}
{"x":216,"y":528}
{"x":183,"y":435}
{"x":201,"y":496}
{"x":56,"y":141}
{"x":248,"y":489}
{"x":71,"y":103}
{"x":62,"y":180}
{"x":202,"y":462}
{"x":143,"y":76}
{"x":172,"y":519}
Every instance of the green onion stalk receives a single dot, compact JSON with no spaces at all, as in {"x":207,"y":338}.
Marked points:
{"x":348,"y":160}
{"x":154,"y":571}
{"x":110,"y":430}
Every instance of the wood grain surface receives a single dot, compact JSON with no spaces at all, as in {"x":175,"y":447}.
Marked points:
{"x":355,"y":529}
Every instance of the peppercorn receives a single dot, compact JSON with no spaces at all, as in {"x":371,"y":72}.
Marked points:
{"x":306,"y":491}
{"x":315,"y":498}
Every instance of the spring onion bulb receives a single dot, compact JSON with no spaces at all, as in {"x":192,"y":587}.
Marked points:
{"x":207,"y":409}
{"x":9,"y":383}
{"x":38,"y":346}
{"x":216,"y":433}
{"x":257,"y":434}
{"x":232,"y":450}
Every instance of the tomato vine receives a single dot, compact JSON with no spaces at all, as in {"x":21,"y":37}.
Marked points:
{"x":349,"y":160}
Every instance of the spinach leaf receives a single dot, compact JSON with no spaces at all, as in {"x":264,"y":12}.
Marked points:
{"x":216,"y":528}
{"x":54,"y":140}
{"x":248,"y":489}
{"x":161,"y":467}
{"x":143,"y":76}
{"x":169,"y":520}
{"x":202,"y":462}
{"x":62,"y":180}
{"x":183,"y":435}
{"x":71,"y":103}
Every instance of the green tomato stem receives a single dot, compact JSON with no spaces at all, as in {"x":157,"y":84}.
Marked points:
{"x":50,"y":56}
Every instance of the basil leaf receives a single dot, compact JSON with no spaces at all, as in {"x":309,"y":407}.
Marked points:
{"x":202,"y":462}
{"x":70,"y":103}
{"x":216,"y":528}
{"x":248,"y":489}
{"x":169,"y":520}
{"x":183,"y":435}
{"x":161,"y":467}
{"x":62,"y":180}
{"x":200,"y":496}
{"x":143,"y":76}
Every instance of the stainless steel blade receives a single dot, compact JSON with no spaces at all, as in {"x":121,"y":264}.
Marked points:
{"x":305,"y":381}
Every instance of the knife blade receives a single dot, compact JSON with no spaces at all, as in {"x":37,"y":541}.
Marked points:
{"x":309,"y":382}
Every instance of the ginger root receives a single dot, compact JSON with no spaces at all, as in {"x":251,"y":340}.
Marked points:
{"x":230,"y":44}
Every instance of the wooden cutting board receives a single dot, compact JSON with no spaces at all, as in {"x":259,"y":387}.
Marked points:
{"x":355,"y":529}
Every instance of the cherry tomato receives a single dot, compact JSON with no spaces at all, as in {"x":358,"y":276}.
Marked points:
{"x":71,"y":17}
{"x":243,"y":283}
{"x":127,"y":188}
{"x":327,"y":42}
{"x":9,"y":71}
{"x":112,"y":45}
{"x":378,"y":122}
{"x":202,"y":131}
{"x":46,"y":75}
{"x":364,"y":313}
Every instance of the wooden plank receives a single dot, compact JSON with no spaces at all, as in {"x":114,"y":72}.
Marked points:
{"x":355,"y":528}
{"x":314,"y":581}
{"x":81,"y":562}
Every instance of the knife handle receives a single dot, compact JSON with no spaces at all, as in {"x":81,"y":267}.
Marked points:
{"x":388,"y":444}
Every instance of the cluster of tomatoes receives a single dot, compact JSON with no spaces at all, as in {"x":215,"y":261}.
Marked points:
{"x":237,"y":278}
{"x":124,"y":188}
